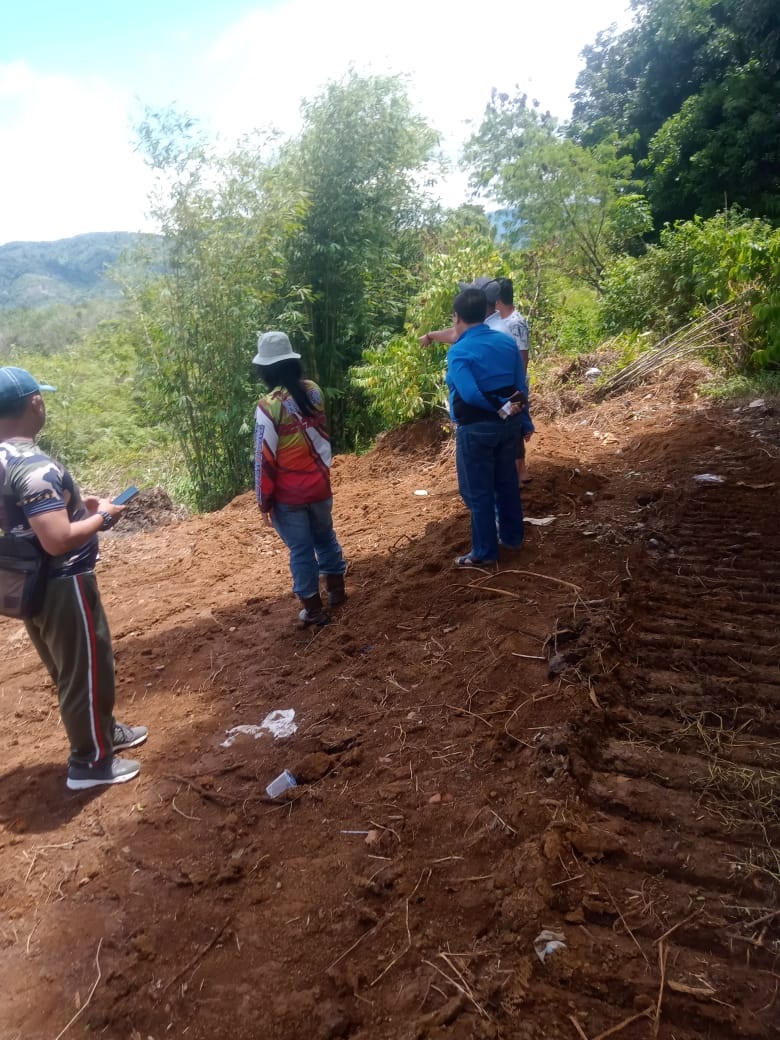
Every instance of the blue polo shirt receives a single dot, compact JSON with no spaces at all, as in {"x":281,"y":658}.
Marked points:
{"x":485,"y":361}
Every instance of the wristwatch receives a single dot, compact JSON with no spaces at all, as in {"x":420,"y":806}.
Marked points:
{"x":108,"y":520}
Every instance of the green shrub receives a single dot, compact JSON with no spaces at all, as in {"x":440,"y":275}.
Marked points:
{"x":697,"y":265}
{"x":95,"y":421}
{"x":576,"y":325}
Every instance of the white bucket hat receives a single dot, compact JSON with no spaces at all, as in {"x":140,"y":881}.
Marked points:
{"x":273,"y":347}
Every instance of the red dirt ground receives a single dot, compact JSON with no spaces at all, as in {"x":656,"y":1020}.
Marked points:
{"x":585,"y":741}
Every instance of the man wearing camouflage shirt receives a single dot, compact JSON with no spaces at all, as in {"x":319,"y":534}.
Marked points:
{"x":39,"y":500}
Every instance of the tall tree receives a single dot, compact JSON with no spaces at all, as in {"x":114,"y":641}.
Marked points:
{"x":358,"y":162}
{"x":226,"y":221}
{"x":578,"y":202}
{"x":695,"y":86}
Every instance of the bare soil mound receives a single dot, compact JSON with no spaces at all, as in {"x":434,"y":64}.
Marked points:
{"x":533,"y":802}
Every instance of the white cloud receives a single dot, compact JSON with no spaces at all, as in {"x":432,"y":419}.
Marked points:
{"x":276,"y":56}
{"x":68,"y":161}
{"x":68,"y":165}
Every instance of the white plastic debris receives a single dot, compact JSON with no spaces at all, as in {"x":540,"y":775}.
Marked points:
{"x":758,"y":403}
{"x":548,"y":942}
{"x":593,"y":373}
{"x":421,"y":492}
{"x":708,"y":478}
{"x":279,"y":724}
{"x":541,"y":521}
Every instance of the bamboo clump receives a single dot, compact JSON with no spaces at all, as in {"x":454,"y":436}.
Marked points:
{"x":721,"y":324}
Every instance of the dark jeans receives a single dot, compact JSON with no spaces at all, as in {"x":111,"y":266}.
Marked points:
{"x":487,"y":480}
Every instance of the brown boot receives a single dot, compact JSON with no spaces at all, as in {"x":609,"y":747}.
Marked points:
{"x":334,"y":583}
{"x":312,"y":613}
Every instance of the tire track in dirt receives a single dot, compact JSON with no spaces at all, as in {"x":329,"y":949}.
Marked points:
{"x":685,"y":777}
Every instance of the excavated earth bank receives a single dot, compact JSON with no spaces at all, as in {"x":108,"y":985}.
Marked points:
{"x":583,"y":742}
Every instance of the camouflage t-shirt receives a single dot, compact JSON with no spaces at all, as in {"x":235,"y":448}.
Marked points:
{"x":32,"y":483}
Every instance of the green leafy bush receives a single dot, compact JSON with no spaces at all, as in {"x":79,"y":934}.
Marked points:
{"x":575,"y":327}
{"x":402,"y":379}
{"x":697,"y":265}
{"x":96,"y":421}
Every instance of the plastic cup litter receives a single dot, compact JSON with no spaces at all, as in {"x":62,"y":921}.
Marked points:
{"x":284,"y":781}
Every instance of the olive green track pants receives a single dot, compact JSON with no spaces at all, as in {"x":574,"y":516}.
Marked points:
{"x":73,"y":640}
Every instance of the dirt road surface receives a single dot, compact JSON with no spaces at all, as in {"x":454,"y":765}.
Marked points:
{"x":584,"y":742}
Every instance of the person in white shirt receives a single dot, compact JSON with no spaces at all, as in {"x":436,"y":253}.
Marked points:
{"x":517,"y":327}
{"x":490,"y":287}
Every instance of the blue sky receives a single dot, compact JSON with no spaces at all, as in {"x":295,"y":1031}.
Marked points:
{"x":75,"y":76}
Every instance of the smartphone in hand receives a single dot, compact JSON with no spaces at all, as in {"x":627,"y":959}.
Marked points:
{"x":518,"y":397}
{"x":125,"y":497}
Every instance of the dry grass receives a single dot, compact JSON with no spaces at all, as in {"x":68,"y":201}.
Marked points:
{"x":741,"y":794}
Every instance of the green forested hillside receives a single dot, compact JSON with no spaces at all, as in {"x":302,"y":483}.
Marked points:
{"x":71,"y":270}
{"x":654,"y":211}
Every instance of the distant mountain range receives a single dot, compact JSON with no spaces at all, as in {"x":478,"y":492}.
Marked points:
{"x":71,"y":270}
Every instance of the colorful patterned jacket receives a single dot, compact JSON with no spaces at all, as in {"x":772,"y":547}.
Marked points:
{"x":292,"y":450}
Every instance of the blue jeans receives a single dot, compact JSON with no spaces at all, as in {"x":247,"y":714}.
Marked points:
{"x":308,"y":533}
{"x":487,"y":481}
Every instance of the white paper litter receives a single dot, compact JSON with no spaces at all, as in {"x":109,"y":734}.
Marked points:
{"x":541,"y":521}
{"x":709,"y":478}
{"x":421,"y":492}
{"x":278,"y":723}
{"x":548,"y":942}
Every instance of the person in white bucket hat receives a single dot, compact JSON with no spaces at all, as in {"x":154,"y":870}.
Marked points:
{"x":273,"y":347}
{"x":292,"y":475}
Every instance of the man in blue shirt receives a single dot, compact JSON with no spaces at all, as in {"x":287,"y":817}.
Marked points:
{"x":485,"y":370}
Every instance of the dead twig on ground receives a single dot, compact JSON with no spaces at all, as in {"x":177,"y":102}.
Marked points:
{"x":663,"y":953}
{"x":198,"y":956}
{"x":761,"y":920}
{"x":622,"y":1025}
{"x":408,"y":946}
{"x":692,"y":991}
{"x":528,"y":700}
{"x":36,"y":850}
{"x":465,"y":711}
{"x":91,"y":993}
{"x":356,"y":943}
{"x":580,"y":1031}
{"x":467,"y":992}
{"x":492,"y":588}
{"x":210,"y":796}
{"x":175,"y":808}
{"x":674,"y":927}
{"x":532,"y":574}
{"x":625,"y":925}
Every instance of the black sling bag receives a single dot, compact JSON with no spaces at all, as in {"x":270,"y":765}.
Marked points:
{"x":24,"y":568}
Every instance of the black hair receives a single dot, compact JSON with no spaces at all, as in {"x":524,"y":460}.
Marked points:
{"x":289,"y":374}
{"x":506,"y":291}
{"x":470,"y":306}
{"x":14,"y":409}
